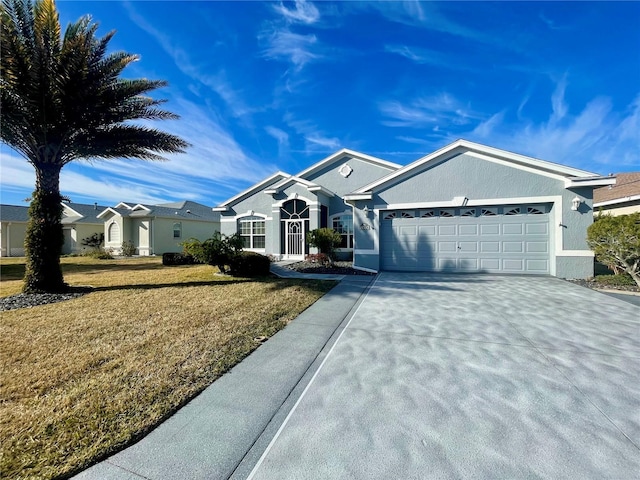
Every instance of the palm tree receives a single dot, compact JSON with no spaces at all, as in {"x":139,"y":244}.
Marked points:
{"x":61,"y":100}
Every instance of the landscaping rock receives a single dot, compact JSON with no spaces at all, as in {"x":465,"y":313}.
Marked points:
{"x":28,"y":300}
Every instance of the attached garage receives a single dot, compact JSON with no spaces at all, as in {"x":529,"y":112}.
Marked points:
{"x":491,"y":239}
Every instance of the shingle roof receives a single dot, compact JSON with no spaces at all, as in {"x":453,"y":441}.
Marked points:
{"x":14,"y":213}
{"x":88,"y":213}
{"x":185,"y":209}
{"x":627,"y":185}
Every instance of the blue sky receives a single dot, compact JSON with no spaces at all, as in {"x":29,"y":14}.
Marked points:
{"x":267,"y":86}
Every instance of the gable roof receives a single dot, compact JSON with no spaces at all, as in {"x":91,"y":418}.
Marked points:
{"x":81,"y":213}
{"x":340,"y":156}
{"x":185,"y":210}
{"x":251,"y":190}
{"x":14,"y":213}
{"x":572,"y":176}
{"x":312,"y":187}
{"x":626,"y":189}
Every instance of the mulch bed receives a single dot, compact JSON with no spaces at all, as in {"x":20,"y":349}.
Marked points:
{"x":338,"y":268}
{"x":591,"y":283}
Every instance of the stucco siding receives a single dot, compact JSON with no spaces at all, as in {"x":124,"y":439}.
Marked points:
{"x":12,"y":236}
{"x":471,"y":177}
{"x":164,"y":241}
{"x":574,"y":267}
{"x":362,"y":174}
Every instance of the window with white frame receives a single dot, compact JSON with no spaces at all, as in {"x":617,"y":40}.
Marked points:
{"x":343,"y":224}
{"x":177,"y":230}
{"x":253,"y":232}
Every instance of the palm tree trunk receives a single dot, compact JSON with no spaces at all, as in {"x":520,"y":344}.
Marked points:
{"x":44,"y":237}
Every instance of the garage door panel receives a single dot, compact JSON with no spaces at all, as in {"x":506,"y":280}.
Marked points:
{"x":512,"y":229}
{"x":447,"y":230}
{"x":498,"y":243}
{"x":490,"y":247}
{"x":490,"y":229}
{"x":468,"y":230}
{"x":537,"y":229}
{"x":513,"y":247}
{"x":537,"y":247}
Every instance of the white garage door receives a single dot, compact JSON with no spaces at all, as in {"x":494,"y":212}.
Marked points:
{"x":502,"y":239}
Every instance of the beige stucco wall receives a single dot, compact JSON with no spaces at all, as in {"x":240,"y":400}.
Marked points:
{"x":77,"y":233}
{"x":12,"y":239}
{"x":624,"y":210}
{"x":163,"y":240}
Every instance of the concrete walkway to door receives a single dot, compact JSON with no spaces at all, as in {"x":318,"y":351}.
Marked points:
{"x":460,"y":376}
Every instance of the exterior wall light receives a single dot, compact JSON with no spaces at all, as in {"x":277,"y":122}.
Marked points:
{"x":575,"y":203}
{"x":366,"y":211}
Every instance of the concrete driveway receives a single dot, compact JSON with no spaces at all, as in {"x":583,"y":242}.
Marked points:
{"x":453,"y":376}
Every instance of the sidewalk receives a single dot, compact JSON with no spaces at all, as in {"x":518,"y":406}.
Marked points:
{"x":210,"y":436}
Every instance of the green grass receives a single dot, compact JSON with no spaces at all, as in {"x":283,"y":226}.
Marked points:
{"x":86,"y":377}
{"x":622,"y":280}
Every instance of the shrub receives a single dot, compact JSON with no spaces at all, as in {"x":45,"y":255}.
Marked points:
{"x":219,"y":250}
{"x":94,"y":242}
{"x":100,"y":253}
{"x":616,"y":242}
{"x":326,"y":240}
{"x":622,"y":280}
{"x":250,"y":264}
{"x":171,"y":258}
{"x":128,"y":249}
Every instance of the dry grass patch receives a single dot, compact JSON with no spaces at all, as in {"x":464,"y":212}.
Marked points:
{"x":85,"y":377}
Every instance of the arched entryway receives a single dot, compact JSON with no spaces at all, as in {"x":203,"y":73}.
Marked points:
{"x":294,"y":219}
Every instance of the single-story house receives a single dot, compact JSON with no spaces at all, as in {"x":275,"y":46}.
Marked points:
{"x":157,"y":229}
{"x":464,"y":208}
{"x":79,"y":221}
{"x":619,"y":199}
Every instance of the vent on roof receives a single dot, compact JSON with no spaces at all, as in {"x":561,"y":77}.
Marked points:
{"x":188,"y":211}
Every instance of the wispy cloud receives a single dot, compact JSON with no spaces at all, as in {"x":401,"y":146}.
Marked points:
{"x":594,"y":138}
{"x":294,"y":48}
{"x":315,"y":139}
{"x":217,"y":81}
{"x":423,"y":111}
{"x":303,"y":12}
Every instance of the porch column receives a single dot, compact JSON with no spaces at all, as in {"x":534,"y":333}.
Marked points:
{"x":276,"y":242}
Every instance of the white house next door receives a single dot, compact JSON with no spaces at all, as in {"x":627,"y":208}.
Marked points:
{"x":295,"y":238}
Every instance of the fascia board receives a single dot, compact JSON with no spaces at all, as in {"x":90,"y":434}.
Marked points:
{"x":616,"y":201}
{"x":220,"y":209}
{"x":107,"y":210}
{"x":67,"y":207}
{"x":463,"y":146}
{"x":123,"y":205}
{"x":358,"y":196}
{"x":253,"y":189}
{"x":589,"y":182}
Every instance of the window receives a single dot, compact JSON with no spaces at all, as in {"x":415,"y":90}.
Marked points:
{"x":406,"y":214}
{"x":253,"y":232}
{"x":113,"y":233}
{"x":489,"y":212}
{"x":177,"y":230}
{"x":343,"y":224}
{"x":427,"y":214}
{"x":389,"y":215}
{"x":446,"y":213}
{"x":534,"y":211}
{"x":512,"y":211}
{"x":468,"y":212}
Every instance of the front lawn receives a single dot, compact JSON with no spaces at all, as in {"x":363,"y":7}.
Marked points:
{"x":85,"y":377}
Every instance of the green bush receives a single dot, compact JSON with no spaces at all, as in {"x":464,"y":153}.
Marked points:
{"x":326,"y":240}
{"x":128,"y":249}
{"x":171,"y":258}
{"x":94,"y":242}
{"x":100,"y":254}
{"x":219,"y":250}
{"x":616,"y":242}
{"x":622,"y":280}
{"x":250,"y":264}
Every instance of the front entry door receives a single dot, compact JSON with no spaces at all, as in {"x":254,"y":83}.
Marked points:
{"x":295,"y":238}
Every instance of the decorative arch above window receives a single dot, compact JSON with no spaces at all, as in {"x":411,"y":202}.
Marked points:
{"x":294,"y":209}
{"x":446,"y":213}
{"x":427,"y":214}
{"x":535,"y":211}
{"x":512,"y":211}
{"x":389,"y":215}
{"x":407,"y":214}
{"x":489,"y":212}
{"x":468,"y":212}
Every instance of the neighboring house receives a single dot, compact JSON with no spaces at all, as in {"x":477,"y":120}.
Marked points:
{"x":79,"y":222}
{"x":621,"y":198}
{"x":157,"y":229}
{"x":464,"y":208}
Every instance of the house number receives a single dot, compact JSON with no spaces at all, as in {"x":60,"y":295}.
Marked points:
{"x":365,"y":226}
